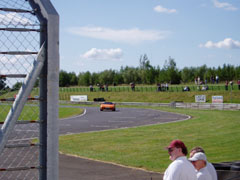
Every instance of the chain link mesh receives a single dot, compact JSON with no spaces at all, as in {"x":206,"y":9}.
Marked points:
{"x":19,"y":45}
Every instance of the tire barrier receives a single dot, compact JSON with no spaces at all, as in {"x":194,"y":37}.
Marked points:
{"x":99,"y":99}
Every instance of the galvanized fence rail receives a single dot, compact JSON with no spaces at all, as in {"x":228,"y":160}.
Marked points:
{"x":27,"y":135}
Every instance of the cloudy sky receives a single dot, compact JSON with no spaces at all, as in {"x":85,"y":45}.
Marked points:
{"x":96,"y":35}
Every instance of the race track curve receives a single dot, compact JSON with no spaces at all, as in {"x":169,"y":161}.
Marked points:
{"x":95,"y":120}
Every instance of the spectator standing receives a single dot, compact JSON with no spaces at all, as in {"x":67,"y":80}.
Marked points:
{"x":166,"y":86}
{"x":106,"y":87}
{"x":231,"y":84}
{"x":132,"y":86}
{"x":91,"y":88}
{"x":186,"y":88}
{"x":210,"y":167}
{"x":217,"y":79}
{"x":226,"y":85}
{"x":239,"y":84}
{"x":101,"y":87}
{"x":158,"y":87}
{"x":199,"y":160}
{"x":180,"y":168}
{"x":212,"y":79}
{"x":198,"y":80}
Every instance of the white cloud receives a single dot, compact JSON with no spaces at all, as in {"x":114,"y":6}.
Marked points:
{"x":5,"y":60}
{"x":103,"y":54}
{"x":227,"y":43}
{"x":224,"y":5}
{"x":130,"y":36}
{"x":14,"y":19}
{"x":161,"y":9}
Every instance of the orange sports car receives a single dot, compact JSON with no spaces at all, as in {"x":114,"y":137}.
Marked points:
{"x":107,"y":105}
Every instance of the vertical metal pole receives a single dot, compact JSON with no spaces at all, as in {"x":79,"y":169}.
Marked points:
{"x":43,"y":125}
{"x":49,"y":87}
{"x":53,"y":95}
{"x":43,"y":103}
{"x":43,"y":116}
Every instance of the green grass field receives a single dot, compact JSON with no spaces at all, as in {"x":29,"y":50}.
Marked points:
{"x":143,"y":147}
{"x":156,"y":97}
{"x":216,"y":131}
{"x":146,"y":94}
{"x":32,"y":112}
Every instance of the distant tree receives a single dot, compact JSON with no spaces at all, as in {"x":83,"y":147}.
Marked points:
{"x":130,"y":75}
{"x":94,"y":79}
{"x":84,"y":79}
{"x":162,"y":76}
{"x":145,"y":73}
{"x":157,"y":73}
{"x":2,"y":83}
{"x":171,"y":72}
{"x":227,"y":72}
{"x":73,"y":79}
{"x":17,"y":86}
{"x":106,"y":77}
{"x":211,"y":73}
{"x":118,"y":78}
{"x":64,"y":79}
{"x":237,"y":73}
{"x":202,"y":70}
{"x":144,"y":62}
{"x":146,"y":70}
{"x":187,"y":74}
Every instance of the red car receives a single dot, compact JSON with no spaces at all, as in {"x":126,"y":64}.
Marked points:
{"x":107,"y":105}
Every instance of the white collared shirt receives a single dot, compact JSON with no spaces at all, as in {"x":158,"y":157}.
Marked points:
{"x":180,"y":169}
{"x":203,"y":174}
{"x":212,"y":171}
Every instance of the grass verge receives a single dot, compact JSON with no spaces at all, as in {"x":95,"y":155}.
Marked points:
{"x":156,"y":97}
{"x":32,"y":112}
{"x":143,"y":147}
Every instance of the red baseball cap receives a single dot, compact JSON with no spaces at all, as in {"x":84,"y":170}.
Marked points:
{"x":178,"y":144}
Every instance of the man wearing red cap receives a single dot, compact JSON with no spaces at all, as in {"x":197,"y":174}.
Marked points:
{"x":180,"y":168}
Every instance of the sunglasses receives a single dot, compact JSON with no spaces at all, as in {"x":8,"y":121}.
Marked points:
{"x":172,"y":149}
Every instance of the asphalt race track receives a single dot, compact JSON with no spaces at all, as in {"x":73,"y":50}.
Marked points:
{"x":74,"y":168}
{"x":95,"y":120}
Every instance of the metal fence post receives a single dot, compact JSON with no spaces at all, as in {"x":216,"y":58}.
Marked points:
{"x":49,"y":93}
{"x":25,"y":26}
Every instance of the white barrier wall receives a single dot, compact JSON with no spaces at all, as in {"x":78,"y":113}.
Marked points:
{"x":78,"y":98}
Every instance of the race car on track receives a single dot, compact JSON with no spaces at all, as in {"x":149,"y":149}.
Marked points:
{"x":108,"y":106}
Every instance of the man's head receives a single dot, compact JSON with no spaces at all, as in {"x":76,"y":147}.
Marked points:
{"x":176,"y":149}
{"x":196,"y":150}
{"x":199,"y":160}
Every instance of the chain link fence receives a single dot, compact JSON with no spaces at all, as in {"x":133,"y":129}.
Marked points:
{"x":20,"y":43}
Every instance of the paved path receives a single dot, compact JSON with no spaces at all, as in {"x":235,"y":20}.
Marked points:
{"x":75,"y":168}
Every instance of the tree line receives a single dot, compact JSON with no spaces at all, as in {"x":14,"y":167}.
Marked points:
{"x":145,"y":73}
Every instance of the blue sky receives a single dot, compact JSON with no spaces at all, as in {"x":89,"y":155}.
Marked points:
{"x":96,"y":35}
